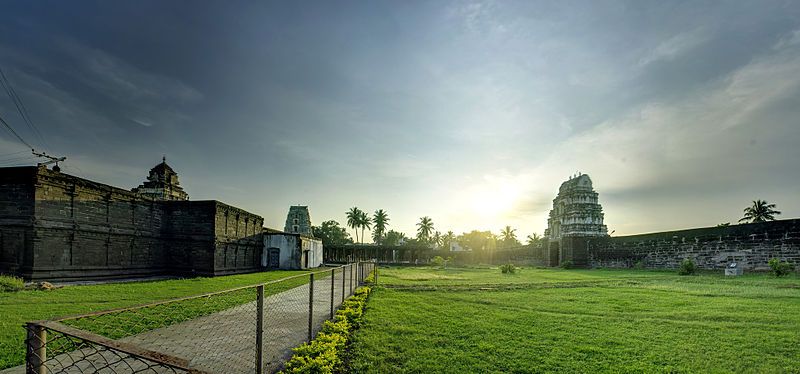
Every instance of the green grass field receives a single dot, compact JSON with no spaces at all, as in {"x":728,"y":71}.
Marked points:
{"x":544,"y":320}
{"x":16,"y":308}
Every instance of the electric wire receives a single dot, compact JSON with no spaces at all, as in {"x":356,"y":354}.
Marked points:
{"x":20,"y":105}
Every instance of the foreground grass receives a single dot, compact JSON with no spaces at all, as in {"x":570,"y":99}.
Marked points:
{"x":19,"y":307}
{"x":579,"y":321}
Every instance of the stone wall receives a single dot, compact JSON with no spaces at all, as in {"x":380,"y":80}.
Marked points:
{"x":750,"y":245}
{"x":58,"y":226}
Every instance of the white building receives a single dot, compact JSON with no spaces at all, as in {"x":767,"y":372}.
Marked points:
{"x":289,"y":251}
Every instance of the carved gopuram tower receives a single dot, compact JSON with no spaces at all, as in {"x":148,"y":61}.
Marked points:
{"x":576,"y":216}
{"x":298,"y":221}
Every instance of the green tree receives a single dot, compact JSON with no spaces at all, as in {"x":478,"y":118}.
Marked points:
{"x":424,"y":229}
{"x":380,"y":219}
{"x":447,"y":239}
{"x":331,"y":233}
{"x":477,"y":240}
{"x":509,"y":237}
{"x":364,"y":223}
{"x":760,"y":211}
{"x":393,"y":238}
{"x":354,"y":219}
{"x":533,"y":239}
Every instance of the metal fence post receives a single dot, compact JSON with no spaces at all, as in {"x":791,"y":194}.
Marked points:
{"x":260,"y":329}
{"x":310,"y":307}
{"x":343,"y":281}
{"x":37,"y":349}
{"x":333,"y":287}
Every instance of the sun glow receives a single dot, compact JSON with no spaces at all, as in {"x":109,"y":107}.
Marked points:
{"x":493,"y":199}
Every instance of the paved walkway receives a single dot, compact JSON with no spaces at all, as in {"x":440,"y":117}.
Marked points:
{"x":223,"y":342}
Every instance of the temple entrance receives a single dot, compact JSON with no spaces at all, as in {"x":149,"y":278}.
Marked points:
{"x":273,"y":258}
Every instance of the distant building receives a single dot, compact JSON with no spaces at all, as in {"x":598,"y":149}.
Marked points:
{"x":576,"y":212}
{"x":298,"y":221}
{"x":284,"y":250}
{"x":455,"y":247}
{"x":162,"y":184}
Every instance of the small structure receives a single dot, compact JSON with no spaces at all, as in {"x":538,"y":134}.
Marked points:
{"x":455,"y":247}
{"x":290,"y":251}
{"x":162,"y":184}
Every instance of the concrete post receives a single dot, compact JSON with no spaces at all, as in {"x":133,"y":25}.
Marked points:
{"x":37,"y":349}
{"x":333,"y":287}
{"x":310,"y":307}
{"x":260,"y":329}
{"x":351,"y":279}
{"x":343,"y":280}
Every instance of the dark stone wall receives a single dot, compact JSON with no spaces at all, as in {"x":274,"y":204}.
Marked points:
{"x":750,"y":245}
{"x":57,"y":226}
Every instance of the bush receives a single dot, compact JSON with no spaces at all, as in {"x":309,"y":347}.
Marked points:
{"x":567,"y":264}
{"x":780,"y":268}
{"x":508,"y":268}
{"x":687,"y":267}
{"x":324,"y":353}
{"x":10,"y":283}
{"x":639,"y":265}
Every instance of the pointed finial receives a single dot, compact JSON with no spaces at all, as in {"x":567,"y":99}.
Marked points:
{"x":164,"y":158}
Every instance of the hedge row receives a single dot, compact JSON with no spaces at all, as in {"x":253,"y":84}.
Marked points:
{"x":324,"y":353}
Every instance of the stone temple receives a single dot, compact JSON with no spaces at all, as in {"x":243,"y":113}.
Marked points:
{"x":576,"y":211}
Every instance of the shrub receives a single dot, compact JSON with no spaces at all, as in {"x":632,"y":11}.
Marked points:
{"x":639,"y":265}
{"x":687,"y":267}
{"x":10,"y":283}
{"x":508,"y":268}
{"x":324,"y":353}
{"x":780,"y":268}
{"x":438,"y":261}
{"x":567,"y":264}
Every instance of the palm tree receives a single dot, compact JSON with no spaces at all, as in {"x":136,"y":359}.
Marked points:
{"x":760,"y":211}
{"x":437,"y":239}
{"x":354,"y":219}
{"x":508,"y":234}
{"x":447,"y":239}
{"x":533,"y":238}
{"x":425,"y":228}
{"x":380,"y":219}
{"x":363,"y":222}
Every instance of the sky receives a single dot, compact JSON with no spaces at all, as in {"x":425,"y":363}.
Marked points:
{"x":471,"y":113}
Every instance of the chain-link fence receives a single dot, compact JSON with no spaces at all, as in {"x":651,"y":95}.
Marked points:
{"x":242,"y":330}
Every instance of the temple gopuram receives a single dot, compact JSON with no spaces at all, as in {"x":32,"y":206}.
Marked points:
{"x":576,"y":215}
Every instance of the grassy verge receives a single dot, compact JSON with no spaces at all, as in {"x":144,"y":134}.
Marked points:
{"x":652,"y":322}
{"x":16,"y":308}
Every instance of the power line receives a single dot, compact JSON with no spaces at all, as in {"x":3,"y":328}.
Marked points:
{"x":20,"y":105}
{"x":15,"y":133}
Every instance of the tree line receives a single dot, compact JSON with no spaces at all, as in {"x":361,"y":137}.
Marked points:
{"x":332,"y":232}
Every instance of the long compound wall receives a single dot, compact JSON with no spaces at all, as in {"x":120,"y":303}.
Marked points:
{"x":57,"y":226}
{"x":749,"y":245}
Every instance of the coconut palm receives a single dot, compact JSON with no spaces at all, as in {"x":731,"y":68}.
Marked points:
{"x":533,"y":238}
{"x":425,"y":228}
{"x":354,"y":219}
{"x":380,"y":219}
{"x":364,"y":222}
{"x":508,"y":234}
{"x":437,"y":239}
{"x":447,"y":239}
{"x":760,"y":211}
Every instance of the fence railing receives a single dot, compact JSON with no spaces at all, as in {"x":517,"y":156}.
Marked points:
{"x":242,"y":330}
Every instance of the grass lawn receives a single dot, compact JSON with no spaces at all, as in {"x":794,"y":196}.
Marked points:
{"x":546,"y":320}
{"x":16,"y":308}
